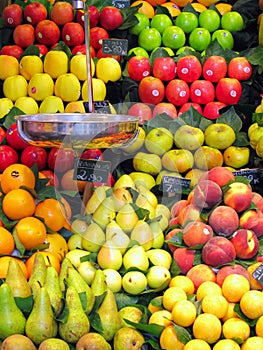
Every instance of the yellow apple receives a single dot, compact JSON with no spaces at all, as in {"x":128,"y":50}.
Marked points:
{"x":236,"y":157}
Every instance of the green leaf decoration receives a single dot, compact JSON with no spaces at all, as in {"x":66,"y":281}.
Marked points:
{"x":175,"y":269}
{"x":159,"y":52}
{"x":153,"y":329}
{"x":182,"y":333}
{"x":123,"y":299}
{"x":231,"y":118}
{"x":10,"y":118}
{"x":8,"y":224}
{"x":255,"y":58}
{"x":160,"y":120}
{"x":242,"y":140}
{"x":31,"y":50}
{"x":249,"y":321}
{"x":189,"y":8}
{"x":128,"y":18}
{"x":48,"y":192}
{"x":25,"y":304}
{"x":19,"y":245}
{"x":257,"y":118}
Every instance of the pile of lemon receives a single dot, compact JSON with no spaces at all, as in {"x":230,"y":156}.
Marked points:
{"x":55,"y":84}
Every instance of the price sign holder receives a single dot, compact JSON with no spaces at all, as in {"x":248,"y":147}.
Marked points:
{"x":102,"y":107}
{"x":116,"y":47}
{"x":258,"y":274}
{"x":121,"y":4}
{"x":173,"y":183}
{"x":251,"y":174}
{"x":91,"y":170}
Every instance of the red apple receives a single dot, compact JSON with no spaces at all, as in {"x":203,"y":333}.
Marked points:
{"x":12,"y":15}
{"x":13,"y":138}
{"x":177,"y":92}
{"x":94,"y":16}
{"x":92,"y":153}
{"x":35,"y":12}
{"x":228,"y":90}
{"x":141,"y":110}
{"x":138,"y":67}
{"x":60,"y":159}
{"x":47,"y":32}
{"x":202,"y":91}
{"x":214,"y":68}
{"x":165,"y":107}
{"x":164,"y":68}
{"x":246,"y":243}
{"x":151,"y":90}
{"x":24,"y":35}
{"x":239,"y":68}
{"x":73,"y":34}
{"x":34,"y":155}
{"x":97,"y":34}
{"x":62,"y":12}
{"x":189,"y":68}
{"x":12,"y":50}
{"x":42,"y":49}
{"x":212,"y":109}
{"x":8,"y":156}
{"x":110,"y":18}
{"x":187,"y":105}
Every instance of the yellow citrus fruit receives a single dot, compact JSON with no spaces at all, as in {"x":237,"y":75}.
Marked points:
{"x":161,"y":317}
{"x":181,"y":3}
{"x":230,"y":312}
{"x":5,"y":105}
{"x":51,"y":104}
{"x":57,"y":245}
{"x":169,"y":339}
{"x":172,"y":295}
{"x":108,"y":69}
{"x":259,"y":327}
{"x":183,"y":282}
{"x":254,"y":284}
{"x":67,"y":87}
{"x":145,"y":8}
{"x":31,"y":232}
{"x":251,"y":304}
{"x":184,"y":313}
{"x":207,"y":3}
{"x":40,"y":86}
{"x":223,"y":8}
{"x":18,"y":204}
{"x":27,"y":104}
{"x":4,"y":264}
{"x":56,"y":63}
{"x":215,"y":304}
{"x":9,"y":66}
{"x":206,"y":288}
{"x":7,"y":242}
{"x":226,"y":344}
{"x":98,"y":89}
{"x":153,"y":308}
{"x":78,"y":66}
{"x":197,"y":344}
{"x":253,"y":343}
{"x":235,"y":328}
{"x":207,"y":327}
{"x":75,"y":107}
{"x":30,"y":65}
{"x":15,"y":87}
{"x":17,"y":175}
{"x":234,"y":287}
{"x":173,"y":9}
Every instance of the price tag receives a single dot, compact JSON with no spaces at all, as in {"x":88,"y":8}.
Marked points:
{"x":92,"y":170}
{"x":173,"y":184}
{"x":251,"y":174}
{"x":121,"y":4}
{"x":258,"y":274}
{"x":117,"y":47}
{"x":102,"y":107}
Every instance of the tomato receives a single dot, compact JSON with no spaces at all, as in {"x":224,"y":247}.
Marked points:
{"x":138,"y":67}
{"x":60,"y":159}
{"x":189,"y":68}
{"x":73,"y":34}
{"x":47,"y":32}
{"x":12,"y":15}
{"x":151,"y":90}
{"x":202,"y":91}
{"x":35,"y":12}
{"x":110,"y":17}
{"x":228,"y":90}
{"x":34,"y":155}
{"x":8,"y":156}
{"x":177,"y":92}
{"x":13,"y":138}
{"x":214,"y":68}
{"x":12,"y":50}
{"x":164,"y":68}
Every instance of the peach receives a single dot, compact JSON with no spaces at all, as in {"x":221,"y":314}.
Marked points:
{"x":238,"y":196}
{"x":184,"y":258}
{"x":170,"y":237}
{"x":229,"y":270}
{"x":178,"y":206}
{"x":218,"y":251}
{"x":207,"y":194}
{"x":189,"y":213}
{"x":201,"y":273}
{"x":196,"y":233}
{"x":258,"y":200}
{"x":220,"y":175}
{"x":224,"y":220}
{"x":246,"y":243}
{"x":252,"y":220}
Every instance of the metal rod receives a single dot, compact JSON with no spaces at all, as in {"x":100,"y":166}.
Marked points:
{"x":88,"y":59}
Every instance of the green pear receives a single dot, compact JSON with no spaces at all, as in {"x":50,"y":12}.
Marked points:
{"x":18,"y":342}
{"x":75,"y":255}
{"x":87,"y":271}
{"x":149,"y":163}
{"x":144,"y":179}
{"x":149,"y":195}
{"x":97,"y":197}
{"x":93,"y":238}
{"x":158,"y":235}
{"x":109,"y":256}
{"x":41,"y":324}
{"x":136,"y":257}
{"x":131,"y":313}
{"x":12,"y":320}
{"x":128,"y":338}
{"x":38,"y":274}
{"x":98,"y":284}
{"x":109,"y":316}
{"x":126,"y":218}
{"x":77,"y":323}
{"x":104,"y":213}
{"x":53,"y":344}
{"x":142,"y":233}
{"x":159,"y":140}
{"x":93,"y":341}
{"x":120,"y":197}
{"x":113,"y":280}
{"x":74,"y":279}
{"x":160,"y":257}
{"x":134,"y":282}
{"x":17,"y":281}
{"x":158,"y":277}
{"x":142,"y":202}
{"x":124,"y":181}
{"x":52,"y":285}
{"x":115,"y":233}
{"x":66,"y":263}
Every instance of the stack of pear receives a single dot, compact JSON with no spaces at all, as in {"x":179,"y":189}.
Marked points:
{"x":17,"y":281}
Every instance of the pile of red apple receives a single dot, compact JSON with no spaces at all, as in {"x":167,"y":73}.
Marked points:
{"x":221,"y":221}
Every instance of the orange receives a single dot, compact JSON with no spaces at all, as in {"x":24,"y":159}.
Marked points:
{"x":7,"y":242}
{"x":223,"y":8}
{"x":18,"y":204}
{"x":234,"y":287}
{"x":57,"y":245}
{"x":31,"y":232}
{"x":181,"y":3}
{"x":156,"y":2}
{"x":146,"y":8}
{"x":207,"y":3}
{"x":17,"y":175}
{"x":4,"y":263}
{"x":53,"y":213}
{"x":69,"y":184}
{"x":67,"y":208}
{"x":173,"y":9}
{"x":50,"y":259}
{"x":198,"y":7}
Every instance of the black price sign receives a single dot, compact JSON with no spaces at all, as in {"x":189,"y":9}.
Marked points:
{"x":101,"y":107}
{"x":117,"y":47}
{"x":258,"y":274}
{"x":92,"y":170}
{"x":251,"y":174}
{"x":121,"y":4}
{"x":173,"y":183}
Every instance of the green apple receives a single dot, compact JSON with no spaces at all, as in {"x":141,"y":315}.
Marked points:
{"x":113,"y":280}
{"x":180,"y":160}
{"x":159,"y":140}
{"x":75,"y":255}
{"x":144,"y":179}
{"x":160,"y":257}
{"x":149,"y":163}
{"x":134,"y":282}
{"x":188,"y":137}
{"x":255,"y":134}
{"x":158,"y":277}
{"x":136,"y":257}
{"x":219,"y":135}
{"x":236,"y":157}
{"x":206,"y":158}
{"x":138,"y":143}
{"x":93,"y":238}
{"x":87,"y":271}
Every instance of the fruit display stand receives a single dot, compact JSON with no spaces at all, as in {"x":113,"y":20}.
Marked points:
{"x":163,"y":250}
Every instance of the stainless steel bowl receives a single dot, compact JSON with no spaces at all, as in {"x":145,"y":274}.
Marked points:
{"x":90,"y":130}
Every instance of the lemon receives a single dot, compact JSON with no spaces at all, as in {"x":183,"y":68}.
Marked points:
{"x":173,"y":295}
{"x":197,"y":344}
{"x":27,"y":104}
{"x":56,"y":63}
{"x":207,"y":327}
{"x":98,"y":89}
{"x":253,"y":343}
{"x":234,"y":287}
{"x":5,"y":105}
{"x":51,"y":104}
{"x":9,"y":66}
{"x":29,"y":65}
{"x":78,"y":66}
{"x":226,"y":344}
{"x":67,"y":87}
{"x":75,"y":107}
{"x":251,"y":304}
{"x":15,"y":87}
{"x":215,"y":304}
{"x":184,"y":313}
{"x":40,"y":86}
{"x":235,"y":328}
{"x":108,"y":69}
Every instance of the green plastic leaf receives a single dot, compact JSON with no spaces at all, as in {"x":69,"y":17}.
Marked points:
{"x":25,"y":304}
{"x":123,"y":299}
{"x":231,"y":118}
{"x":31,"y":50}
{"x":255,"y":58}
{"x":19,"y":245}
{"x":10,"y":118}
{"x":182,"y":333}
{"x":257,"y":118}
{"x":249,"y":321}
{"x":153,"y":329}
{"x":159,"y":52}
{"x":128,"y":17}
{"x":242,"y":140}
